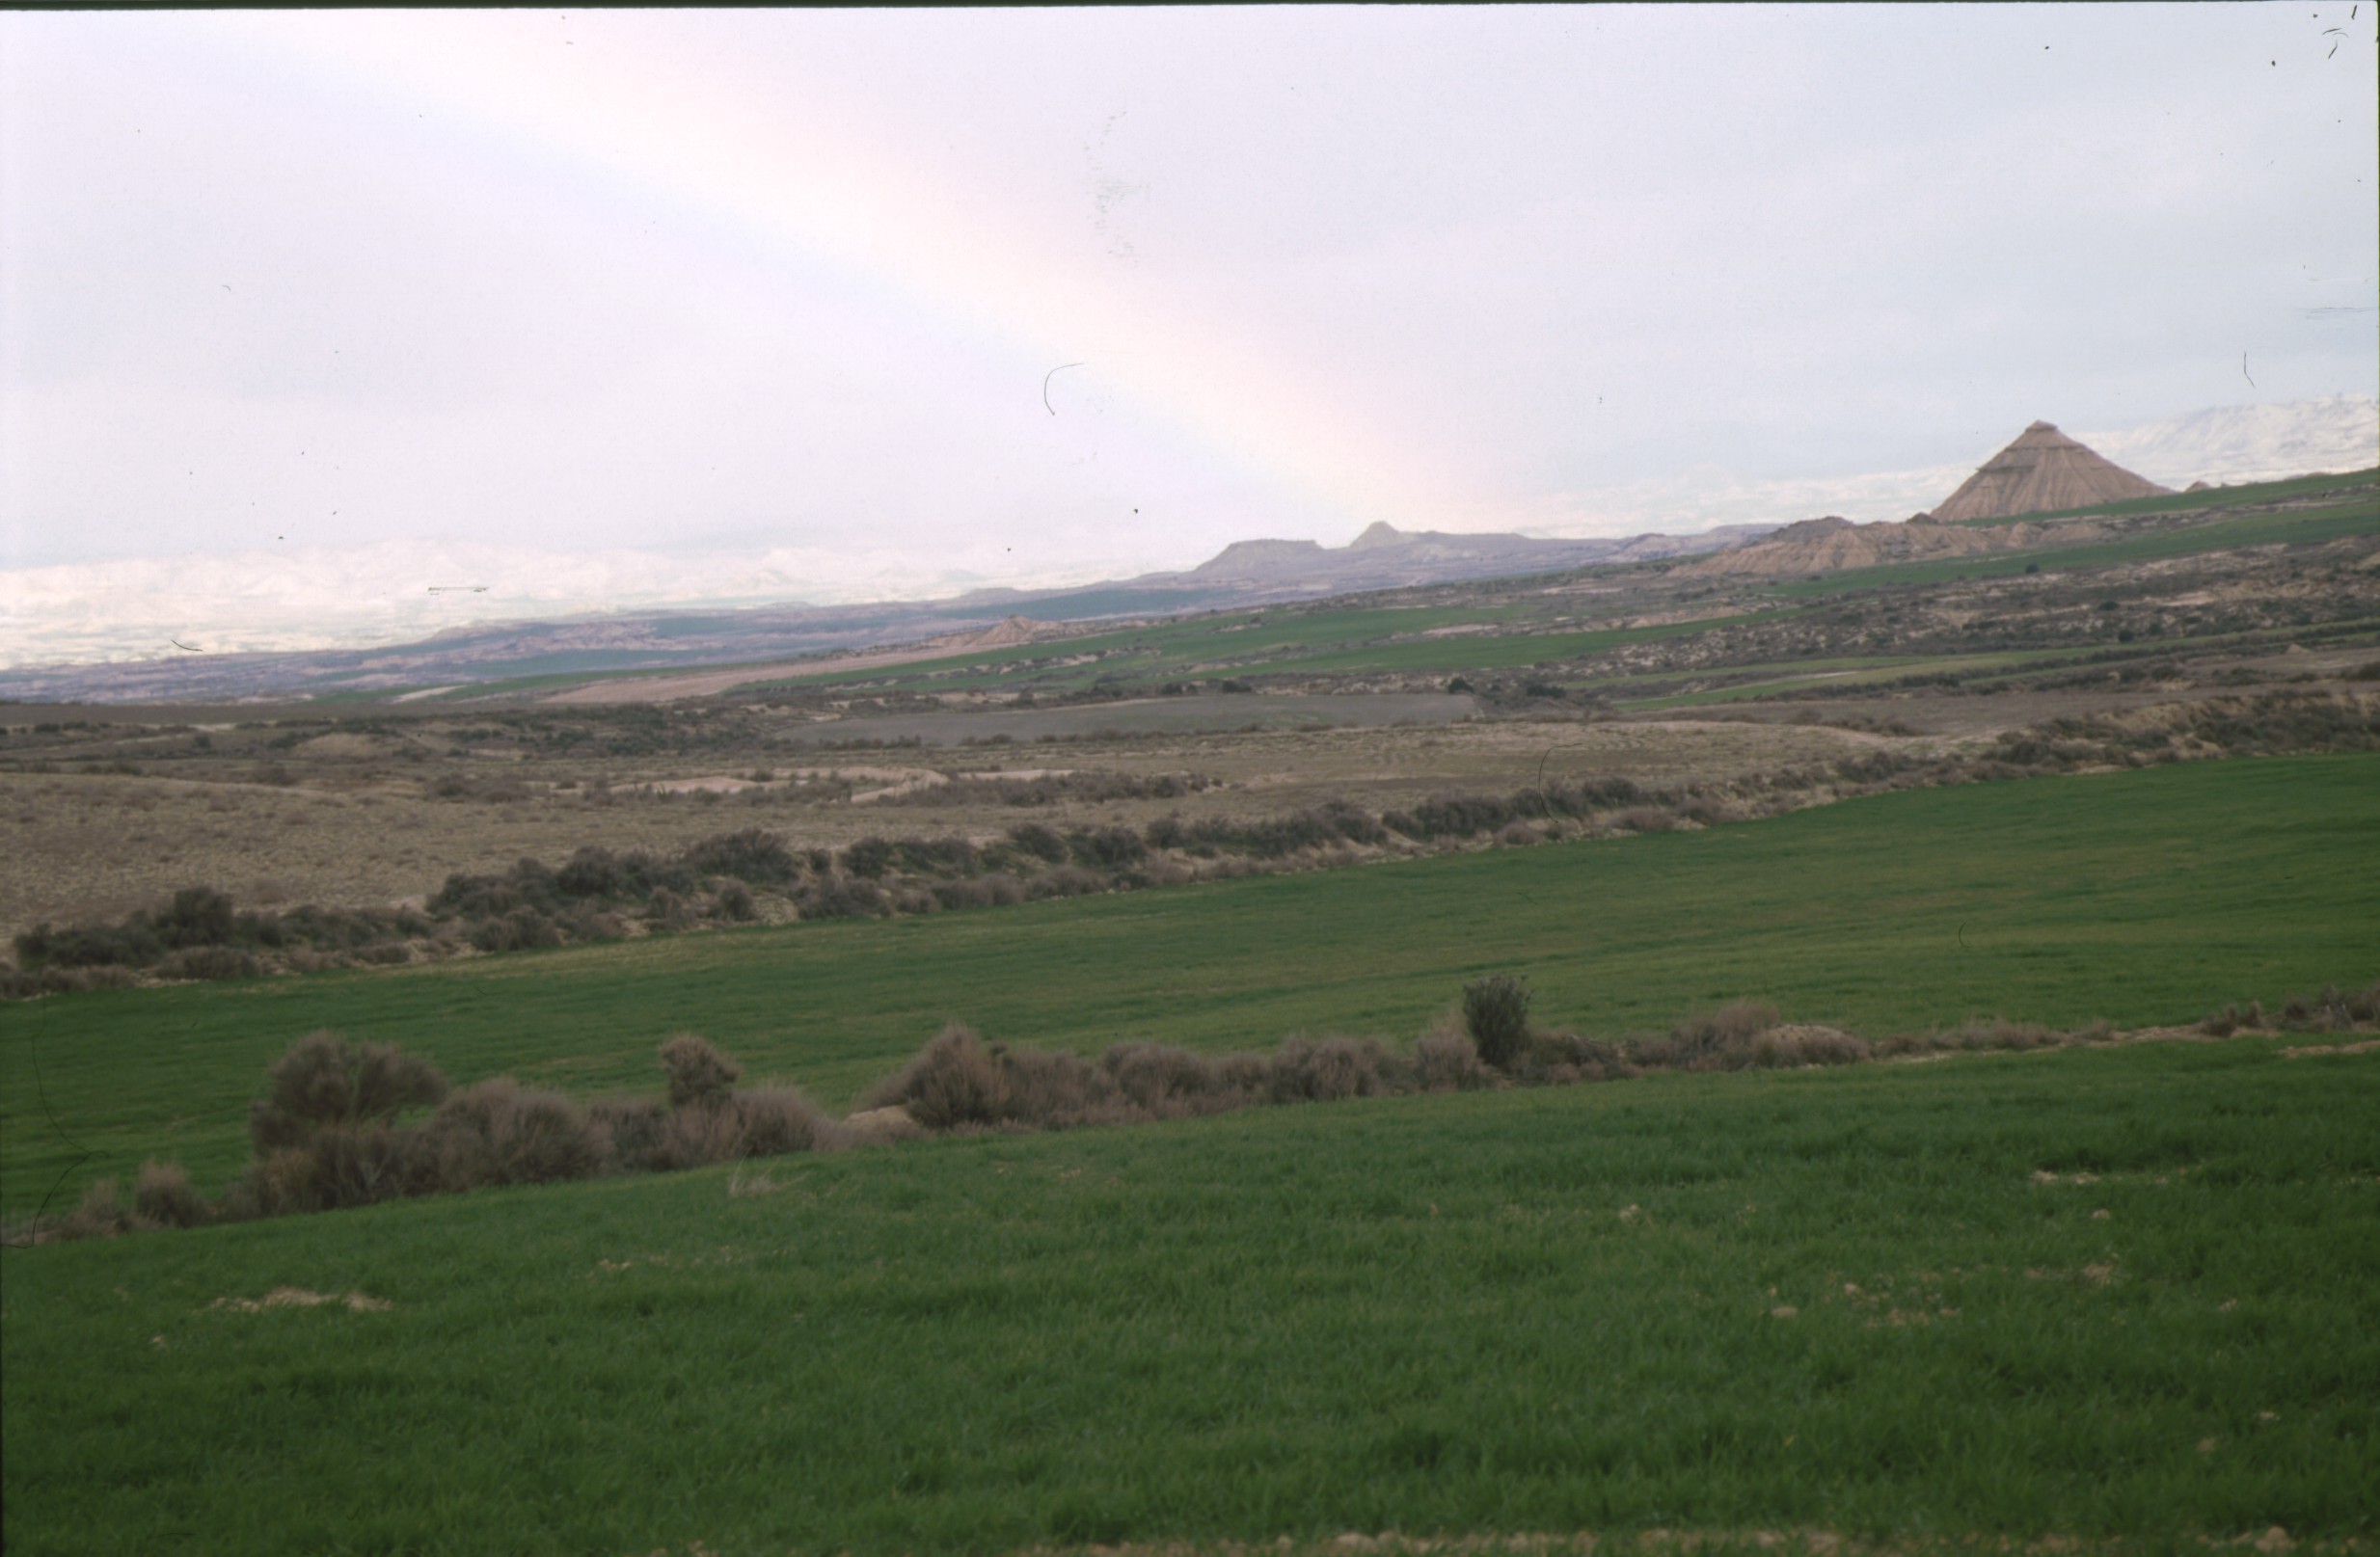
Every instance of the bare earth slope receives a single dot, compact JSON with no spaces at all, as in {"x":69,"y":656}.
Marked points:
{"x":1834,"y":545}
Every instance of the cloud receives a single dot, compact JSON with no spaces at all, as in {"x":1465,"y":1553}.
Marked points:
{"x":668,"y":283}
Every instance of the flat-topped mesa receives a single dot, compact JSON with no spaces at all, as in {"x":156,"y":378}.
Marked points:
{"x":2042,"y":471}
{"x":1263,"y":557}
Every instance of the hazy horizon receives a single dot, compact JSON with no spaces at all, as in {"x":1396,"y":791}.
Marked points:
{"x":844,"y":305}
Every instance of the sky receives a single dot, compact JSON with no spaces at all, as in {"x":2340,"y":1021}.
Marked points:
{"x":302,"y":312}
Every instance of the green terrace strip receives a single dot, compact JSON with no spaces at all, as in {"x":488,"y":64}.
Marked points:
{"x":2123,"y":1297}
{"x":2141,"y":897}
{"x":2301,"y":527}
{"x":1979,"y":668}
{"x":1501,"y":652}
{"x":1301,"y":641}
{"x":1241,"y":634}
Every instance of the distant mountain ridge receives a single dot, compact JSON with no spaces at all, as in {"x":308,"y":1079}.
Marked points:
{"x":376,"y":630}
{"x":1386,"y":557}
{"x":1245,"y":572}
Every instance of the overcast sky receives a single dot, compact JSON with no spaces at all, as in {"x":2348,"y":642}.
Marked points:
{"x":1022,"y":293}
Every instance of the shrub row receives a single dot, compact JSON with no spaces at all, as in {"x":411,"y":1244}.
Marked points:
{"x":2331,"y":1011}
{"x":332,"y":1128}
{"x":193,"y":931}
{"x":331,"y":1131}
{"x":600,"y":895}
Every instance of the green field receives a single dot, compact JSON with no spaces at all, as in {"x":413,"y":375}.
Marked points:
{"x":2139,"y":897}
{"x":2123,"y":1293}
{"x":1546,"y":1310}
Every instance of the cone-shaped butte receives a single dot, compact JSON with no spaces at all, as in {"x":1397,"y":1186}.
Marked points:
{"x":2043,"y":469}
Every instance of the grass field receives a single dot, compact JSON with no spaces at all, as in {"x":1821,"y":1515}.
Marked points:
{"x":2122,"y":1294}
{"x":1832,"y":1301}
{"x":2140,"y":897}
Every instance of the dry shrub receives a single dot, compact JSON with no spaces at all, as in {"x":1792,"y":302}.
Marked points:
{"x":1169,"y":872}
{"x":638,"y":1129}
{"x":880,"y":1126}
{"x":698,"y":1073}
{"x":1056,"y":1091}
{"x":1993,"y":1033}
{"x":836,"y":895}
{"x":961,"y":893}
{"x":498,"y":1131}
{"x":2231,"y":1019}
{"x":696,"y":1136}
{"x":99,"y":1214}
{"x":1787,"y":1048}
{"x":324,"y":1080}
{"x":2332,"y":1010}
{"x":1066,"y":882}
{"x":1645,"y":820}
{"x":210,"y":963}
{"x":352,"y":1164}
{"x":958,"y":1082}
{"x":280,"y":1183}
{"x":954,"y":1080}
{"x":775,"y":1122}
{"x":1157,"y":1081}
{"x":1563,"y":1058}
{"x":1447,"y":1061}
{"x":164,"y":1194}
{"x":1160,"y":1079}
{"x":2364,"y":1006}
{"x":1716,"y":1040}
{"x":1518,"y":835}
{"x":1329,"y":1071}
